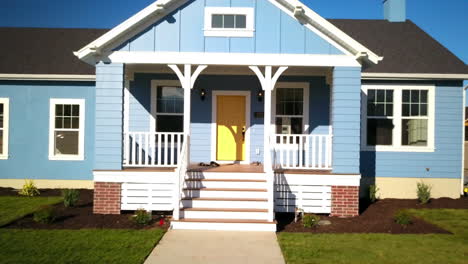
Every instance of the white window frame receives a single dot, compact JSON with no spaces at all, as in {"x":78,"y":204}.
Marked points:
{"x":305,"y":111}
{"x":154,"y":100}
{"x":6,"y":126}
{"x":229,"y":32}
{"x":81,"y":130}
{"x":397,"y":118}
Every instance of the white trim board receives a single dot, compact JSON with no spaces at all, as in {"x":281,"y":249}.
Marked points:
{"x":214,"y":134}
{"x":81,"y":130}
{"x":161,"y":8}
{"x":233,"y":59}
{"x":412,"y":76}
{"x":47,"y":77}
{"x":397,"y":117}
{"x":134,"y":177}
{"x":248,"y":31}
{"x":6,"y":126}
{"x":314,"y":180}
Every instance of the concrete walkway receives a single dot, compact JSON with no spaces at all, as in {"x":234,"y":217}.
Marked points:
{"x":193,"y":246}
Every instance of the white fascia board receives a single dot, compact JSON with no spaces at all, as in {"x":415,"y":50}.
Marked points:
{"x":96,"y":46}
{"x":233,"y":59}
{"x":330,"y":30}
{"x":47,"y":77}
{"x":412,"y":76}
{"x":134,"y":176}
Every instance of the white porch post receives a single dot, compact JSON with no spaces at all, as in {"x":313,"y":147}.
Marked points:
{"x":187,"y":81}
{"x":268,"y":81}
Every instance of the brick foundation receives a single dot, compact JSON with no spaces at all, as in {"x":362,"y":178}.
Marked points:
{"x":345,"y":201}
{"x":107,"y":198}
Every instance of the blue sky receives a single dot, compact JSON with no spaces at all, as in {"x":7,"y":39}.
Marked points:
{"x":445,"y":20}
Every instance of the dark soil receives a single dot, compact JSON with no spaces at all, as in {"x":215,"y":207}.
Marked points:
{"x":81,"y":216}
{"x":376,"y":218}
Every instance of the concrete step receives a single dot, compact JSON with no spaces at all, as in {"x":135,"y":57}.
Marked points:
{"x":224,"y":224}
{"x":225,"y":183}
{"x":224,"y":213}
{"x":252,"y":203}
{"x":224,"y":193}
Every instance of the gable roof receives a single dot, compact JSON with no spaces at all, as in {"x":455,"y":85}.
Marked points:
{"x":406,"y":48}
{"x":44,"y":50}
{"x":159,"y":9}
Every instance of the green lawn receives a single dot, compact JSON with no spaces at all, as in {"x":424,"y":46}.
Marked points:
{"x":77,"y":246}
{"x":68,"y":246}
{"x":384,"y":248}
{"x":15,"y":207}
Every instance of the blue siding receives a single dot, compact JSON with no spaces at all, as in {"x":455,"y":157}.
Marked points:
{"x":345,"y":116}
{"x":140,"y":106}
{"x":109,"y":116}
{"x":275,"y":32}
{"x":444,"y":162}
{"x":29,"y":130}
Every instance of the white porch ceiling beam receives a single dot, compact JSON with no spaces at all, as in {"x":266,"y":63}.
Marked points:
{"x":233,"y":59}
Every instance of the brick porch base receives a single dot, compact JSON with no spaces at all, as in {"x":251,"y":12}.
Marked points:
{"x":106,"y":198}
{"x":345,"y":201}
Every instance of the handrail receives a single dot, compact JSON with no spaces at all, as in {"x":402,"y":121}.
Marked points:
{"x":180,"y":176}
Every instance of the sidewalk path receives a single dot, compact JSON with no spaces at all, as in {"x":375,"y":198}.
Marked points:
{"x":193,"y":246}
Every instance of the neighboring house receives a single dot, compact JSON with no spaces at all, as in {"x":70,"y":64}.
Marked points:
{"x":335,"y":104}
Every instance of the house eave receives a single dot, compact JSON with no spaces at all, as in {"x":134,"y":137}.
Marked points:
{"x":413,"y":76}
{"x":47,"y":77}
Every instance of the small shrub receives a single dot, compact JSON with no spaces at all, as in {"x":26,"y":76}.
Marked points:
{"x":373,"y":193}
{"x":29,"y":189}
{"x":46,"y":215}
{"x":310,"y":220}
{"x":70,"y":197}
{"x":423,"y":192}
{"x":402,"y":218}
{"x":141,"y":217}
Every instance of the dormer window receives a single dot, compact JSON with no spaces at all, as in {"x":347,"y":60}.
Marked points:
{"x":229,"y":22}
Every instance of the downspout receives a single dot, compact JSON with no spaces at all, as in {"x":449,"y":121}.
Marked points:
{"x":462,"y":182}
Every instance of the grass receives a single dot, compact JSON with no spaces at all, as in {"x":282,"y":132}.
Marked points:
{"x":384,"y":248}
{"x":15,"y":207}
{"x":77,"y":246}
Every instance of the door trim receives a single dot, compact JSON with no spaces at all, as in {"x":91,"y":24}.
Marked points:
{"x":214,"y":134}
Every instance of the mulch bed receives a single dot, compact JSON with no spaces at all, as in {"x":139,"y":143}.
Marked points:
{"x":377,"y":218}
{"x":81,"y":216}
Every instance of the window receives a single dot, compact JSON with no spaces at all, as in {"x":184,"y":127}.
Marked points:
{"x":229,"y":22}
{"x":167,"y":106}
{"x":398,"y":118}
{"x":291,"y":108}
{"x":66,"y":139}
{"x":4,"y":127}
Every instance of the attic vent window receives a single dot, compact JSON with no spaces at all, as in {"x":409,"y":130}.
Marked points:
{"x":229,"y":22}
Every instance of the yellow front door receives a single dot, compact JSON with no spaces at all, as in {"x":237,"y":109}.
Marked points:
{"x":230,"y":141}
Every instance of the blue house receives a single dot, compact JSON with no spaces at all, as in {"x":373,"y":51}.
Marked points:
{"x":227,"y":111}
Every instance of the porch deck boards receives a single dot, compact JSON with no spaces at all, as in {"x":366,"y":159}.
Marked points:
{"x":149,"y":169}
{"x":240,"y":168}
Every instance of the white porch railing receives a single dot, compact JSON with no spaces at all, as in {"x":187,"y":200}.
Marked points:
{"x":302,"y":151}
{"x":180,"y":176}
{"x":152,"y":149}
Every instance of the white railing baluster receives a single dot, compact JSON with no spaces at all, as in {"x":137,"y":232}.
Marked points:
{"x":146,"y":149}
{"x":307,"y":151}
{"x":320,"y":152}
{"x":133,"y":148}
{"x":159,"y":146}
{"x":314,"y":151}
{"x":166,"y":153}
{"x":301,"y":149}
{"x":172,"y":149}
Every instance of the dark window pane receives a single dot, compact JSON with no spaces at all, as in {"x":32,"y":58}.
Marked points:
{"x":169,"y":123}
{"x":414,"y":109}
{"x":389,"y":110}
{"x":371,"y":109}
{"x":371,"y":96}
{"x":389,"y":96}
{"x":379,"y":132}
{"x":379,"y":110}
{"x":423,"y":96}
{"x":1,"y":141}
{"x":217,"y":21}
{"x":415,"y":96}
{"x":298,"y":108}
{"x":1,"y":109}
{"x":66,"y":142}
{"x":76,"y":110}
{"x":170,"y":100}
{"x":296,"y":125}
{"x":414,"y":132}
{"x":228,"y":21}
{"x":423,"y":110}
{"x":66,"y":122}
{"x":76,"y":122}
{"x":59,"y":110}
{"x":406,"y":110}
{"x":288,"y":125}
{"x":59,"y":122}
{"x":380,"y":96}
{"x":241,"y":21}
{"x":406,"y":96}
{"x":67,"y":110}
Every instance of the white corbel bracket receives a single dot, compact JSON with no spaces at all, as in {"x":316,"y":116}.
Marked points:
{"x":268,"y":80}
{"x":187,"y":79}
